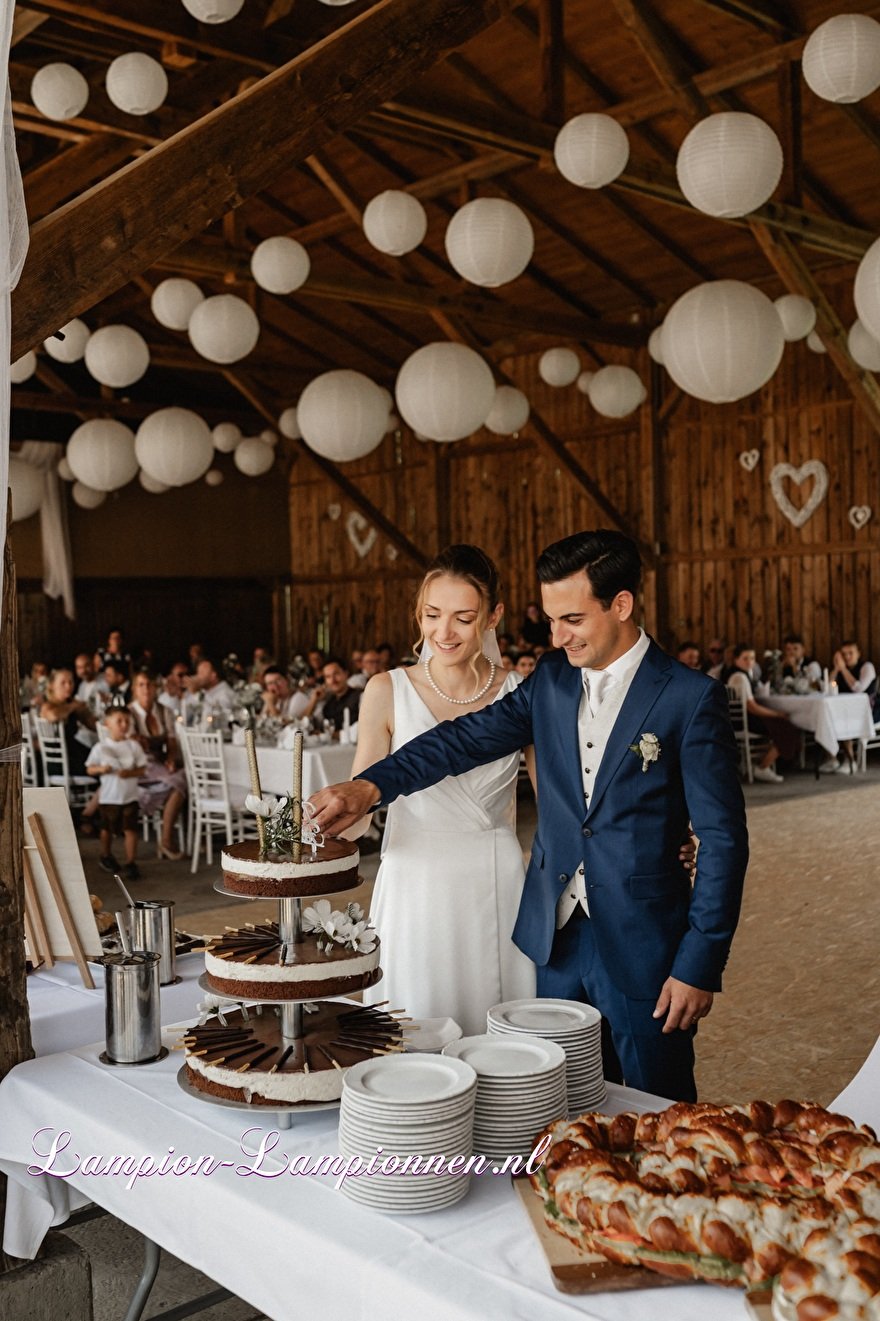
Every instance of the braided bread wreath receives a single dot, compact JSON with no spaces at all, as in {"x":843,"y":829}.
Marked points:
{"x":756,"y":1195}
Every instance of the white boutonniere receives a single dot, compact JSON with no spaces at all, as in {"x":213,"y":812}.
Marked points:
{"x":648,"y":748}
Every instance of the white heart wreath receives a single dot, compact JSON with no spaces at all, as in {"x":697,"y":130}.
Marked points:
{"x":360,"y":534}
{"x":749,"y":459}
{"x":859,"y":515}
{"x":812,"y":468}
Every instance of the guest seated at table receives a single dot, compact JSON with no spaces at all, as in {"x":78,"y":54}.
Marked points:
{"x":33,"y":685}
{"x":534,"y":629}
{"x":852,"y":674}
{"x":174,"y":688}
{"x":259,"y":662}
{"x":371,"y":663}
{"x":315,"y":658}
{"x":282,"y":701}
{"x":163,"y":784}
{"x":208,"y":693}
{"x":116,"y":683}
{"x":797,"y":664}
{"x":714,"y":657}
{"x":339,"y":697}
{"x":91,"y":687}
{"x":689,"y":654}
{"x":525,"y":663}
{"x":62,"y":707}
{"x":507,"y":662}
{"x":387,"y":658}
{"x":785,"y":740}
{"x":114,"y":650}
{"x":196,"y":653}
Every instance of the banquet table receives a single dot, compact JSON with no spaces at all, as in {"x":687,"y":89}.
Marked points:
{"x":329,"y":763}
{"x":829,"y":717}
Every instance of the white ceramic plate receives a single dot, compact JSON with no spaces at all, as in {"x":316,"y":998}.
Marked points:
{"x":409,"y":1080}
{"x":495,"y":1056}
{"x":545,"y":1016}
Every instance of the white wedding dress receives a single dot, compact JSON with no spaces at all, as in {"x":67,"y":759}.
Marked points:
{"x":449,"y":886}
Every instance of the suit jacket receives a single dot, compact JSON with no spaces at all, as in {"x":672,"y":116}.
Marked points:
{"x":649,"y":921}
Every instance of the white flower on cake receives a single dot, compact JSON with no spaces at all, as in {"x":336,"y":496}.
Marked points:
{"x":648,"y":748}
{"x":319,"y":917}
{"x":349,"y":929}
{"x":263,"y":807}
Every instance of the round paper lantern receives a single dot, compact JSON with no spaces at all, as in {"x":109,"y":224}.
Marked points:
{"x":864,"y":349}
{"x":509,"y":411}
{"x":136,"y":83}
{"x":288,"y":425}
{"x":72,"y":346}
{"x":59,"y":91}
{"x":64,"y":470}
{"x":616,"y":391}
{"x":815,"y":343}
{"x":342,"y":415}
{"x":392,"y":424}
{"x":27,"y":485}
{"x":224,"y":328}
{"x":117,"y":356}
{"x":213,"y":477}
{"x":444,"y":391}
{"x":583,"y":382}
{"x":489,"y":241}
{"x":866,"y":290}
{"x":655,"y":345}
{"x":253,"y":457}
{"x":841,"y":60}
{"x":394,"y":222}
{"x":387,"y":396}
{"x":101,"y":454}
{"x":150,"y":484}
{"x":213,"y":11}
{"x":86,"y":497}
{"x":174,"y":301}
{"x":23,"y":368}
{"x":722,"y":340}
{"x":797,"y":314}
{"x":174,"y":446}
{"x":591,"y":150}
{"x":337,"y":3}
{"x":729,"y":164}
{"x":269,"y":437}
{"x":226,"y":436}
{"x":559,"y":367}
{"x":279,"y":265}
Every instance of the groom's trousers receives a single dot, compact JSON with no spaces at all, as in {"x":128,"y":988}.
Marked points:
{"x":638,"y":1053}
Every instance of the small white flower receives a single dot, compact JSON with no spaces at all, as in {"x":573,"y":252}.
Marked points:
{"x":264,"y":807}
{"x":648,"y":748}
{"x":355,"y":912}
{"x":318,"y":916}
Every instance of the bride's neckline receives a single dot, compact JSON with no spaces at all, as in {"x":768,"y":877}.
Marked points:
{"x":455,"y":714}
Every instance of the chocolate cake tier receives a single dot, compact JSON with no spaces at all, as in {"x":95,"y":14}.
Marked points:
{"x":333,"y":868}
{"x":254,"y":963}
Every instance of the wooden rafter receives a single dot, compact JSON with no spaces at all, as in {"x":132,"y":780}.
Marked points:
{"x":551,"y":18}
{"x":769,"y":15}
{"x":61,"y":400}
{"x":69,"y":172}
{"x":659,"y":47}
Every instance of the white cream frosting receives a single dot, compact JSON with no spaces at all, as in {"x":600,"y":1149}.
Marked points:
{"x":324,"y":1085}
{"x":263,"y":869}
{"x":291,"y":972}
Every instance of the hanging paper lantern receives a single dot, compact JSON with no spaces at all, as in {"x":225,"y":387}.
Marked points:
{"x":279,"y":265}
{"x":387,"y":396}
{"x":70,"y":343}
{"x":393,"y":424}
{"x":117,"y":356}
{"x":337,"y":3}
{"x":815,"y":343}
{"x":559,"y":367}
{"x":394,"y":222}
{"x":27,"y":485}
{"x":224,"y":328}
{"x":342,"y":415}
{"x":864,"y":349}
{"x":866,"y":290}
{"x":583,"y":382}
{"x":226,"y":436}
{"x":213,"y":11}
{"x":150,"y":484}
{"x":101,"y":454}
{"x":288,"y":425}
{"x":591,"y":150}
{"x":59,"y":91}
{"x":655,"y":345}
{"x":174,"y":301}
{"x":616,"y":391}
{"x":174,"y":446}
{"x":509,"y":411}
{"x":722,"y":341}
{"x":269,"y":437}
{"x":136,"y":83}
{"x":444,"y":391}
{"x":797,"y":314}
{"x":23,"y":368}
{"x":85,"y":497}
{"x":489,"y":241}
{"x":213,"y":477}
{"x":253,"y":457}
{"x":64,"y":470}
{"x":841,"y":60}
{"x":729,"y":164}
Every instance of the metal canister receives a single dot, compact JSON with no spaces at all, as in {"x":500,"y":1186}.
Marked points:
{"x":133,"y":1021}
{"x":152,"y":928}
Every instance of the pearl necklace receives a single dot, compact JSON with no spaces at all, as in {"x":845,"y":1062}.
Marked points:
{"x":461,"y":701}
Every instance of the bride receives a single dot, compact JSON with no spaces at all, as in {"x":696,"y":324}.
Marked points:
{"x":451,"y":875}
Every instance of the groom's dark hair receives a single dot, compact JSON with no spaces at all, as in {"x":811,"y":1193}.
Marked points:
{"x":611,"y":562}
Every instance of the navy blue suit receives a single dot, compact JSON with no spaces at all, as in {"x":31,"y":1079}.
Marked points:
{"x":646,"y":920}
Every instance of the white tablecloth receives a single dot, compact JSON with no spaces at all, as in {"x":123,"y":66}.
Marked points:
{"x":329,"y":764}
{"x":830,"y":719}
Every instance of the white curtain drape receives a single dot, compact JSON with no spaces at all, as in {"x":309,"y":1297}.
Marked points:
{"x":54,"y":536}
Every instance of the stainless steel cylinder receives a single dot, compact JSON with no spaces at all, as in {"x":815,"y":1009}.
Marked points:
{"x":152,"y":928}
{"x":133,"y":1021}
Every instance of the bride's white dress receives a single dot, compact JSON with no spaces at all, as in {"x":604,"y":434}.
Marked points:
{"x":449,"y":885}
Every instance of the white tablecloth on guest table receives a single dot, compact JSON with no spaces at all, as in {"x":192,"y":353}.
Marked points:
{"x":330,"y":763}
{"x":829,"y":718}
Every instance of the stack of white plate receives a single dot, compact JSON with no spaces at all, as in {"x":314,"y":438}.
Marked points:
{"x":520,"y":1089}
{"x":411,"y":1106}
{"x":573,"y":1026}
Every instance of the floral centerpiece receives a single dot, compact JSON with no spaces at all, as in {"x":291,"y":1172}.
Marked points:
{"x":281,"y":830}
{"x":348,"y":928}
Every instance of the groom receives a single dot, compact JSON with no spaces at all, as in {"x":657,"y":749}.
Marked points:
{"x":630,"y":747}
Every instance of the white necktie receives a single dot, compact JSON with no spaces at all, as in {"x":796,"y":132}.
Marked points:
{"x":596,"y":681}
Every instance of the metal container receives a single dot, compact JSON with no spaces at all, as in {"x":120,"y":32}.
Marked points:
{"x":152,"y":928}
{"x":133,"y":1023}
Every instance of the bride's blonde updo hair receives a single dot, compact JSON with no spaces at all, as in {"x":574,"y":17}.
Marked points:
{"x":472,"y":566}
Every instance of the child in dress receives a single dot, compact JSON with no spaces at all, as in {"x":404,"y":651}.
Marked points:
{"x":119,"y":760}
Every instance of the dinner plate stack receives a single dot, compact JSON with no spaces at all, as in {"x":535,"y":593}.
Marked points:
{"x":410,"y":1106}
{"x":520,"y":1090}
{"x":576,"y":1027}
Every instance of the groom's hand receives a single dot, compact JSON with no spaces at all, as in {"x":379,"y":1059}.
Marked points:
{"x":339,"y":805}
{"x":686,"y":1005}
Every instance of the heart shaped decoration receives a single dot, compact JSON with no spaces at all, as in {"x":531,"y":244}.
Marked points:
{"x":812,"y":468}
{"x":859,"y":515}
{"x":333,"y":512}
{"x":360,"y":534}
{"x":749,"y":459}
{"x":391,"y":552}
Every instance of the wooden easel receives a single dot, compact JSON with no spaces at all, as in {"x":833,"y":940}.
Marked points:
{"x":33,"y":911}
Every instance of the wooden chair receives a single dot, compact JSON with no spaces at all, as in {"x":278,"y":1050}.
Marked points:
{"x":747,"y":742}
{"x":29,"y":765}
{"x":864,"y":745}
{"x":56,"y":765}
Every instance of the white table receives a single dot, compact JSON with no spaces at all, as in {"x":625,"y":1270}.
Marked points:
{"x":329,"y":764}
{"x":829,"y":718}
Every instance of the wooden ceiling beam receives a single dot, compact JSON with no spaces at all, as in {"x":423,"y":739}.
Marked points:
{"x":658,"y":45}
{"x":551,"y":21}
{"x":24,"y":22}
{"x":64,"y":401}
{"x":98,"y":242}
{"x":768,"y":15}
{"x":337,"y":186}
{"x":70,"y":172}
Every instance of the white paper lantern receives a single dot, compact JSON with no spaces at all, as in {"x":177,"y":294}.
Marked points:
{"x":150,"y":484}
{"x":288,"y":425}
{"x":213,"y":11}
{"x":253,"y":457}
{"x":489,"y":241}
{"x":342,"y":415}
{"x":866,"y":290}
{"x":136,"y":83}
{"x":864,"y":349}
{"x":269,"y":437}
{"x":444,"y":391}
{"x":559,"y":367}
{"x":86,"y":497}
{"x":815,"y":343}
{"x":27,"y":485}
{"x":23,"y":368}
{"x":64,"y":470}
{"x":101,"y":454}
{"x":224,"y":328}
{"x":655,"y":345}
{"x":729,"y":164}
{"x":279,"y":265}
{"x":394,"y":222}
{"x":509,"y":411}
{"x":797,"y":314}
{"x":174,"y":301}
{"x":392,"y":424}
{"x":226,"y":436}
{"x":591,"y":150}
{"x":387,"y":396}
{"x":174,"y":446}
{"x":213,"y":477}
{"x":583,"y":382}
{"x":337,"y":4}
{"x":72,"y":347}
{"x":616,"y":391}
{"x":117,"y":356}
{"x":841,"y":60}
{"x":722,"y":341}
{"x":59,"y":91}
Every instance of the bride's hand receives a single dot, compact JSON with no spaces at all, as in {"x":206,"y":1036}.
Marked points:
{"x":339,"y":805}
{"x":687,"y":854}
